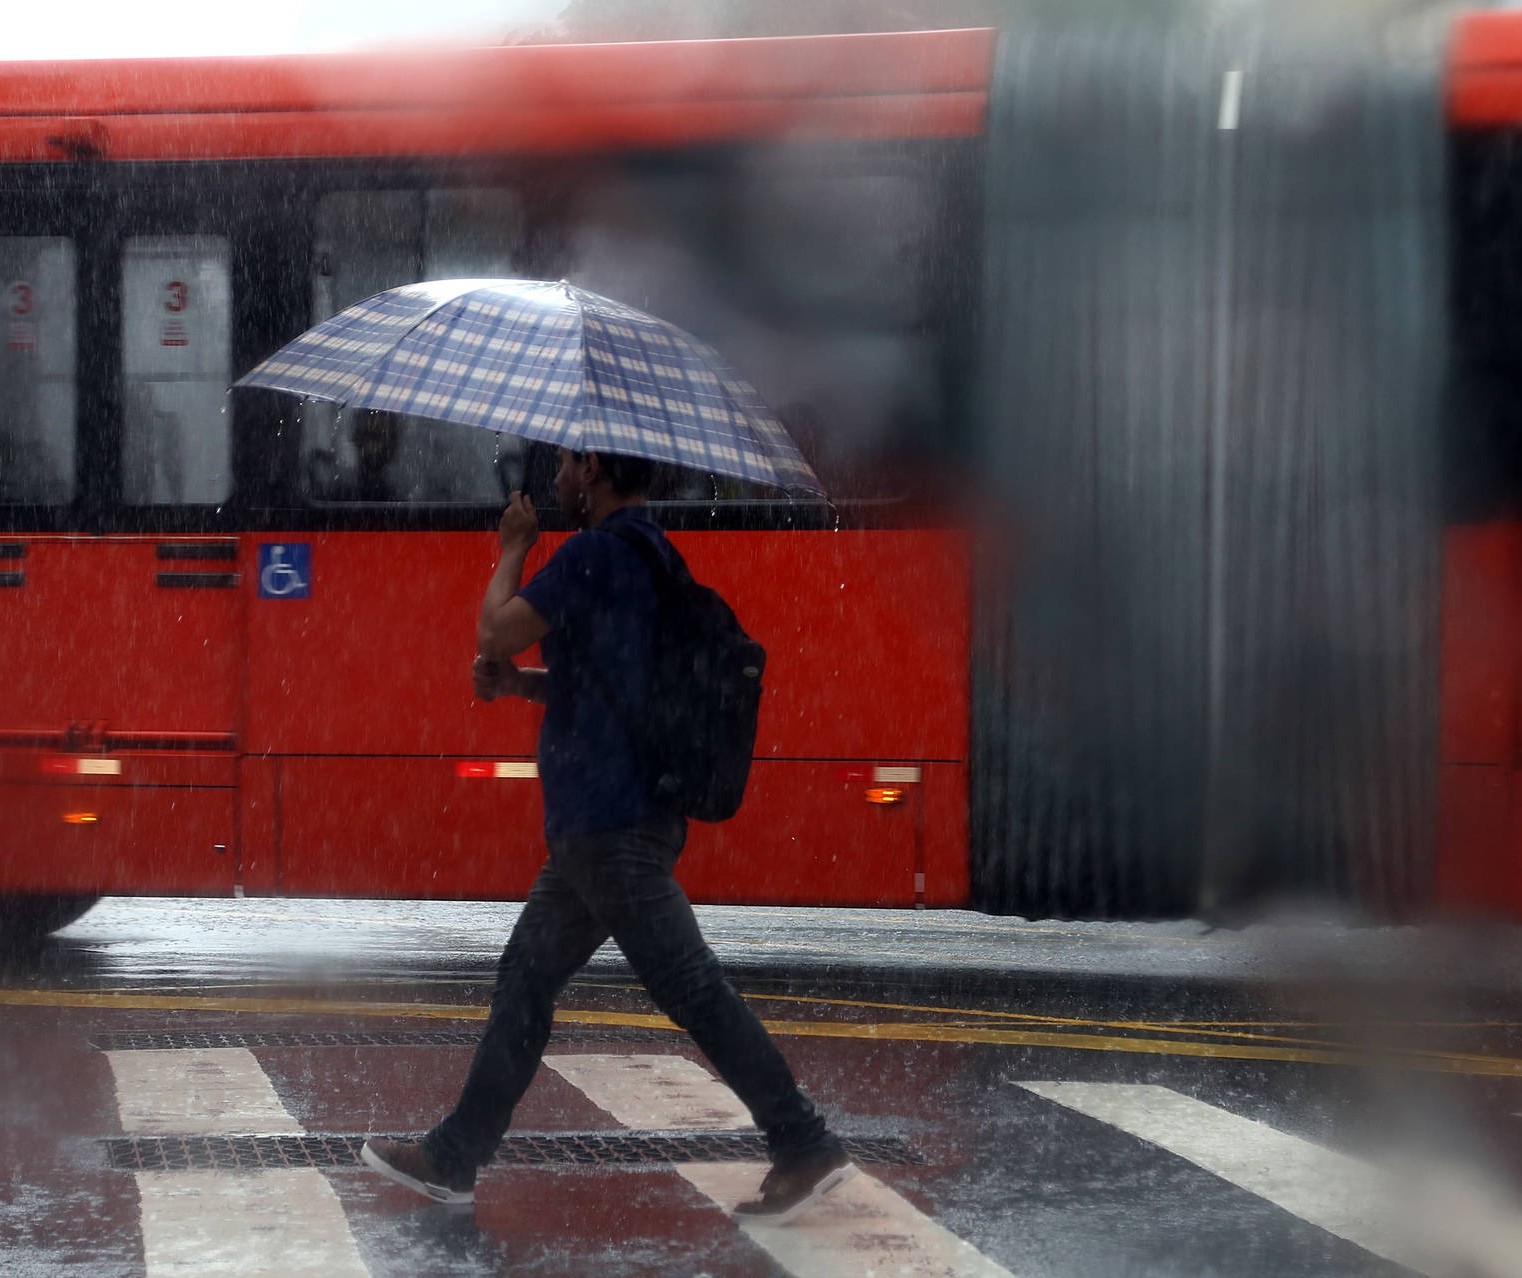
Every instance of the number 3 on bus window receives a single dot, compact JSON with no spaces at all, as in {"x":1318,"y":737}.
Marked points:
{"x":20,"y":294}
{"x":176,"y":296}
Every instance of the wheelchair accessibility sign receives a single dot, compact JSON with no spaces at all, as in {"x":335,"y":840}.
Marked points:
{"x":285,"y":570}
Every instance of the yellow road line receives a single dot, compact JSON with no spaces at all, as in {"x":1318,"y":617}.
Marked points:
{"x":1455,"y":1064}
{"x":969,"y":1018}
{"x":915,"y":1032}
{"x":231,"y":1003}
{"x":1225,"y":1029}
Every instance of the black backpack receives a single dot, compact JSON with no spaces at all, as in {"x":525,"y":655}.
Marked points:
{"x":699,"y":730}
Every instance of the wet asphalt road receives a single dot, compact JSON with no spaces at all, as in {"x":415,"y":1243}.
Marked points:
{"x":1039,"y":1100}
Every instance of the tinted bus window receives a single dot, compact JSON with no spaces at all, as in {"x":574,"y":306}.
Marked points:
{"x":360,"y":456}
{"x":176,"y":366}
{"x":37,"y":396}
{"x":367,"y":241}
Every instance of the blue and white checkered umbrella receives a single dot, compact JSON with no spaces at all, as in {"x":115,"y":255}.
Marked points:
{"x":549,"y":362}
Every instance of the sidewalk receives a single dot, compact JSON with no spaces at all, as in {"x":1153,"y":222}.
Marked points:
{"x":219,"y":938}
{"x":952,"y":944}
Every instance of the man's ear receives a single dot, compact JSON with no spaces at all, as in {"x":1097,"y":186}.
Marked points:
{"x":593,"y":464}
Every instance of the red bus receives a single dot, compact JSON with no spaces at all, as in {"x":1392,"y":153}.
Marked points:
{"x":231,"y":669}
{"x":231,"y":665}
{"x":1479,"y":836}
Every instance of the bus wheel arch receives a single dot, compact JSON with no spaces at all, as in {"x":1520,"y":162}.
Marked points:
{"x":27,"y":918}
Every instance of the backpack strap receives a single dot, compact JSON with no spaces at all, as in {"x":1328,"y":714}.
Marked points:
{"x":662,"y":574}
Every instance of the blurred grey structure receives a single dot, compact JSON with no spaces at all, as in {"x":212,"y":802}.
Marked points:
{"x":714,"y":19}
{"x":1216,"y":333}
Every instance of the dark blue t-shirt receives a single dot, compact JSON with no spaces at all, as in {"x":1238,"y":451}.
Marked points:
{"x":598,"y":598}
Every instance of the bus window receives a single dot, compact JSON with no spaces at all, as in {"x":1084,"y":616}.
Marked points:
{"x":357,"y":455}
{"x":37,"y":371}
{"x":364,"y":242}
{"x":850,"y":247}
{"x":176,"y":366}
{"x":367,"y":241}
{"x":472,"y":234}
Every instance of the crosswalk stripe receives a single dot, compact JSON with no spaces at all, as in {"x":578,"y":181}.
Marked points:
{"x":211,"y":1091}
{"x":243,"y":1224}
{"x":862,"y":1227}
{"x":1346,"y":1196}
{"x":666,"y":1093}
{"x":246,"y":1225}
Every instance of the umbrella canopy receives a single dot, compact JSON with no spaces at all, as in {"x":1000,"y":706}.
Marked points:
{"x":548,"y":362}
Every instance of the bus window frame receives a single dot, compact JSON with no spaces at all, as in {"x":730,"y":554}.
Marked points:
{"x":102,"y":205}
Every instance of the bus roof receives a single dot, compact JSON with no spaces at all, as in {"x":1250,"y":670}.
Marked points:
{"x":517,"y":98}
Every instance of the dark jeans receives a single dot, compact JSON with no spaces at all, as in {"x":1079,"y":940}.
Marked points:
{"x":619,"y":884}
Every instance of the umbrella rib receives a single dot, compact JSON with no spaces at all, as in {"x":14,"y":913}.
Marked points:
{"x":366,"y":374}
{"x":583,"y":398}
{"x":706,"y":356}
{"x":692,"y":398}
{"x":543,"y":393}
{"x":353,"y":383}
{"x":676,"y":443}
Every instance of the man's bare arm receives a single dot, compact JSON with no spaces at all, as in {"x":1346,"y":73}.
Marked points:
{"x":508,"y":627}
{"x":509,"y":623}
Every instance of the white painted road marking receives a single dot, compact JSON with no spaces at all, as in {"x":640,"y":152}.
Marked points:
{"x":1345,"y":1196}
{"x":660,"y":1092}
{"x":862,"y":1228}
{"x":276,"y":1223}
{"x":216,"y":1091}
{"x":283,"y":1222}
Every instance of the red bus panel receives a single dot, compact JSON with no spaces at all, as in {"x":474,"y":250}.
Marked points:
{"x":1484,"y":87}
{"x":362,"y":724}
{"x":142,"y":639}
{"x":1480,"y":786}
{"x":128,"y":839}
{"x":405,"y":828}
{"x":1482,"y":643}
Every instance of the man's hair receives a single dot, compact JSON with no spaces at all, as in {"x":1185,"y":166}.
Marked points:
{"x":627,"y":475}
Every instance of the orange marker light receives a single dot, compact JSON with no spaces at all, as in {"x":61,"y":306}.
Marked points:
{"x":81,"y":818}
{"x":885,"y":794}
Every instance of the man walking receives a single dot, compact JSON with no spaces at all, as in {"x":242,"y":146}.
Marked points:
{"x":612,"y":851}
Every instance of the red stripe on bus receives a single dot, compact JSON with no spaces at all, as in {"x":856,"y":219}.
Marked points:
{"x":1486,"y":39}
{"x":543,"y":77}
{"x":1484,"y":88}
{"x":464,"y":132}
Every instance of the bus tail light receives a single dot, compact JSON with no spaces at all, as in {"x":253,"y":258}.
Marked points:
{"x":73,"y":765}
{"x":881,"y":774}
{"x":886,"y":784}
{"x":81,"y":818}
{"x":468,"y":769}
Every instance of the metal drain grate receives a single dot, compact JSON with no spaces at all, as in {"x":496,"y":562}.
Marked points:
{"x":143,"y":1042}
{"x":263,"y":1153}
